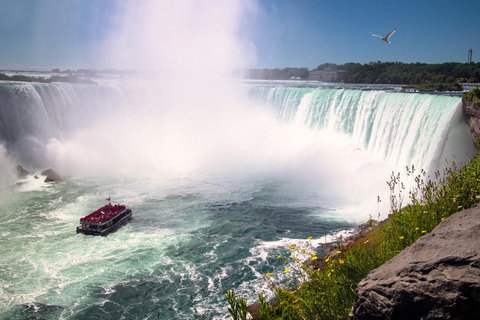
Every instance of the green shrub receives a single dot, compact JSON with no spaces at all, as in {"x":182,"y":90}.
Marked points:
{"x":472,"y":94}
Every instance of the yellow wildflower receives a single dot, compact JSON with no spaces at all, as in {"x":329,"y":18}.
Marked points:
{"x":279,"y":256}
{"x":339,"y":251}
{"x":326,"y":260}
{"x":329,"y":274}
{"x":314,"y":258}
{"x":268,"y":274}
{"x":294,"y":249}
{"x":285,"y":261}
{"x":303,"y":250}
{"x":295,"y":258}
{"x":454,"y":200}
{"x":417,"y":228}
{"x":295,"y":301}
{"x":289,"y":246}
{"x":287,"y":270}
{"x":402,"y":237}
{"x":299,"y":288}
{"x":424,"y":231}
{"x":310,"y":237}
{"x":341,"y":261}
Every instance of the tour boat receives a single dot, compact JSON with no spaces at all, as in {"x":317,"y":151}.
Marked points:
{"x":104,"y":220}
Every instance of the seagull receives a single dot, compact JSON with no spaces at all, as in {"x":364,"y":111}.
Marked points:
{"x":386,"y":37}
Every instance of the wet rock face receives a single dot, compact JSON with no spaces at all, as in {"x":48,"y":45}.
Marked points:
{"x":20,"y":172}
{"x":438,"y":277}
{"x":52,"y":176}
{"x":471,"y":113}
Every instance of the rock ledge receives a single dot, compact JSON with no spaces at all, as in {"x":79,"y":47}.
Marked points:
{"x":437,"y":277}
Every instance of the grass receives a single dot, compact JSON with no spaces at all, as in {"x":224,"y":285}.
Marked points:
{"x":324,"y":287}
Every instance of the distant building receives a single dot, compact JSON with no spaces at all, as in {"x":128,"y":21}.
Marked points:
{"x":57,"y":70}
{"x":470,"y":52}
{"x":327,"y":75}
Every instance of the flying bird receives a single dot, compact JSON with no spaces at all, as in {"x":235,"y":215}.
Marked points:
{"x":386,"y":37}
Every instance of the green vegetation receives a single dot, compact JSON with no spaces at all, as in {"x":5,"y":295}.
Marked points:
{"x":408,"y":73}
{"x":324,"y":288}
{"x":472,"y":94}
{"x":425,"y":77}
{"x":54,"y":78}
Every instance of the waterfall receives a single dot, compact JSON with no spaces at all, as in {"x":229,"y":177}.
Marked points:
{"x":33,"y":113}
{"x":404,"y":129}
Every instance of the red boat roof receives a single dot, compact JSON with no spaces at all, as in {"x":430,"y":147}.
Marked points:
{"x":104,"y":213}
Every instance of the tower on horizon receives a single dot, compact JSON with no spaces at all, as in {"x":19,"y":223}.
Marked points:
{"x":470,"y":55}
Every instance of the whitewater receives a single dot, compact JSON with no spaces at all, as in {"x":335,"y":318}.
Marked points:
{"x":219,"y":185}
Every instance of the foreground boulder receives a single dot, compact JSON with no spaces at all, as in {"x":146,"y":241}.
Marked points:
{"x":52,"y":176}
{"x":437,"y":277}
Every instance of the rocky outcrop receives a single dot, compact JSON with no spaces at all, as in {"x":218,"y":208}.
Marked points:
{"x":52,"y":176}
{"x":20,"y":172}
{"x":437,"y":277}
{"x":471,"y":111}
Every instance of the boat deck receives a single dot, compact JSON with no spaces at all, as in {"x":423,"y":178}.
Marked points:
{"x":104,"y":220}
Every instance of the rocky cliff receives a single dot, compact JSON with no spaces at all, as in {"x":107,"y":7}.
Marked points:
{"x":438,"y":277}
{"x":471,"y":111}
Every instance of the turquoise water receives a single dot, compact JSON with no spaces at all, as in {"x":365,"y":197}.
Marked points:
{"x":190,"y":240}
{"x":218,"y":187}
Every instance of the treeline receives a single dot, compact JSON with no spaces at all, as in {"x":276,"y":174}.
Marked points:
{"x":54,"y":78}
{"x":276,"y":74}
{"x":407,"y":73}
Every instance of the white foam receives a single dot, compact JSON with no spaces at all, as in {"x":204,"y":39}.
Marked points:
{"x":263,"y":248}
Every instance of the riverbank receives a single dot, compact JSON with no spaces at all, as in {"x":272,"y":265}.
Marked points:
{"x":437,"y":277}
{"x":324,"y":287}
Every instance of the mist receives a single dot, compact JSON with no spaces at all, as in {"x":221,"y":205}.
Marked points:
{"x":189,"y":116}
{"x":185,"y":40}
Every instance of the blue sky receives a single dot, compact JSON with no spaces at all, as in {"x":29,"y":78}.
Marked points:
{"x":307,"y":33}
{"x":281,"y":33}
